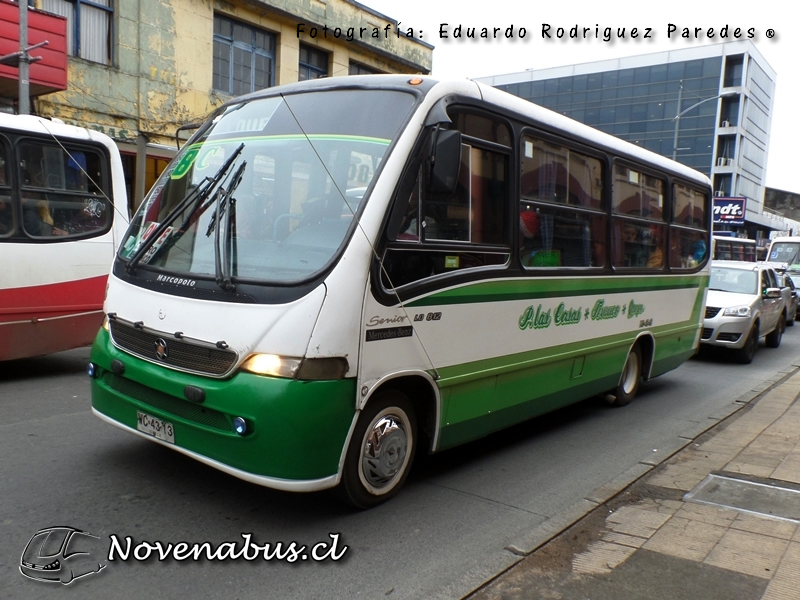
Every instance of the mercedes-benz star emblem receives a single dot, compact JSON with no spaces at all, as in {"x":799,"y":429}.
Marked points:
{"x":161,"y":349}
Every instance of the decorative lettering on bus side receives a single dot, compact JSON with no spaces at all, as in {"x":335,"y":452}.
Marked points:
{"x":541,"y":319}
{"x":567,"y":316}
{"x":535,"y":318}
{"x":376,"y":320}
{"x":601,"y":312}
{"x":634,"y":309}
{"x":389,"y":333}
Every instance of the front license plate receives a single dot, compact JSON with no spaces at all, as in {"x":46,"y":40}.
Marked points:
{"x":155,"y":427}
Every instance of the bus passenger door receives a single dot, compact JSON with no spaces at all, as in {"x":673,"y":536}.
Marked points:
{"x":448,"y":246}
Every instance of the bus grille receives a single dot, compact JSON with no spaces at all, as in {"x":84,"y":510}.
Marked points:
{"x":168,"y":404}
{"x":711,"y":311}
{"x":182,"y":354}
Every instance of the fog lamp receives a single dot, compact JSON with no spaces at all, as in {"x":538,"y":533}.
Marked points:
{"x":239,"y":425}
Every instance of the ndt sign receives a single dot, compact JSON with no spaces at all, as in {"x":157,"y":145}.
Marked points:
{"x":729,"y":211}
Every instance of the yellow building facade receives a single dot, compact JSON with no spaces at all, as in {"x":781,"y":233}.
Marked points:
{"x":140,"y":69}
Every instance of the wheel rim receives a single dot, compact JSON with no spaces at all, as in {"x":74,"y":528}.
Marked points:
{"x":630,"y":376}
{"x":384,"y":450}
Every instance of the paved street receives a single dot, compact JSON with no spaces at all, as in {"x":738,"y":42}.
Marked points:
{"x":465,"y":516}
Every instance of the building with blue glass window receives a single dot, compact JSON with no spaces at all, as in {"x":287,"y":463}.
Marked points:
{"x":708,"y":107}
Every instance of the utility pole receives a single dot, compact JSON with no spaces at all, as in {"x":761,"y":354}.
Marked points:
{"x":22,"y":59}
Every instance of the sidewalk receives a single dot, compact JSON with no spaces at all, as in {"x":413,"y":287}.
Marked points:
{"x":718,"y":519}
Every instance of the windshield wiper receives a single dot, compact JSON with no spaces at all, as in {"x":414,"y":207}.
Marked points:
{"x":191,"y":201}
{"x":225,"y":207}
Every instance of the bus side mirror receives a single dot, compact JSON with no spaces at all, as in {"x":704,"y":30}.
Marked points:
{"x":446,"y":162}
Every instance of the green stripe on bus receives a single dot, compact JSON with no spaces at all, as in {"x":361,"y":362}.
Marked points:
{"x":295,"y":136}
{"x":534,"y":383}
{"x":498,"y":365}
{"x":525,"y":289}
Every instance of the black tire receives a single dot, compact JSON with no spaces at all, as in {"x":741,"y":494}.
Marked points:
{"x":745,"y":354}
{"x":373,"y":474}
{"x":773,"y":338}
{"x":629,"y":380}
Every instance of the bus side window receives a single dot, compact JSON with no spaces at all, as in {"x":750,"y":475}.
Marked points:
{"x":7,"y":224}
{"x":473,"y":216}
{"x":562,"y":221}
{"x":55,"y":191}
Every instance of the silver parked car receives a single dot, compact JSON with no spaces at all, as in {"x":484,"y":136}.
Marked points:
{"x":745,"y":302}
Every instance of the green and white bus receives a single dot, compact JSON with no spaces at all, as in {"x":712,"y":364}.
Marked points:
{"x":332,"y":276}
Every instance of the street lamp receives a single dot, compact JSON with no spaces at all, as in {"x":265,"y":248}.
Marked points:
{"x":677,"y":118}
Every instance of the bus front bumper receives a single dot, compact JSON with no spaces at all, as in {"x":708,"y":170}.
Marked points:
{"x":295,"y":430}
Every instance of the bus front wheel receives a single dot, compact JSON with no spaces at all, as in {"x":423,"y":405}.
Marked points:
{"x":630,"y":379}
{"x":381,"y":451}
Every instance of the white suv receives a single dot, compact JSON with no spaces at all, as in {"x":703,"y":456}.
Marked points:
{"x":744,"y":303}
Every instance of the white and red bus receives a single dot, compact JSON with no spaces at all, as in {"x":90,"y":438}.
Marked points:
{"x":59,"y":228}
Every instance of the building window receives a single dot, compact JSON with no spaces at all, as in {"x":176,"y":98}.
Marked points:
{"x":359,"y":69}
{"x":244,"y":57}
{"x":88,"y":27}
{"x":313,"y":63}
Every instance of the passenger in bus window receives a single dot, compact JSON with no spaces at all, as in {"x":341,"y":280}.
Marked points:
{"x":598,"y":252}
{"x":528,"y":230}
{"x":656,"y":258}
{"x":633,"y":245}
{"x":38,"y":219}
{"x":697,"y":249}
{"x":76,"y":172}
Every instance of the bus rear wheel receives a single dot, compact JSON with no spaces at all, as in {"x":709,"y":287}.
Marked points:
{"x":629,"y":380}
{"x":381,"y":451}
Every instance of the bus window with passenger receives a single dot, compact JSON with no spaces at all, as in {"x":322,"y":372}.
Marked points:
{"x":59,"y":226}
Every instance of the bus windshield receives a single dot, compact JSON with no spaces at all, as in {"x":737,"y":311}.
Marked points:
{"x":786,"y":252}
{"x":269,"y":190}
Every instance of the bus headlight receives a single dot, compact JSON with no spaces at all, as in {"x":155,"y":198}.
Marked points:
{"x":272,"y":364}
{"x":304,"y":369}
{"x":737,"y":311}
